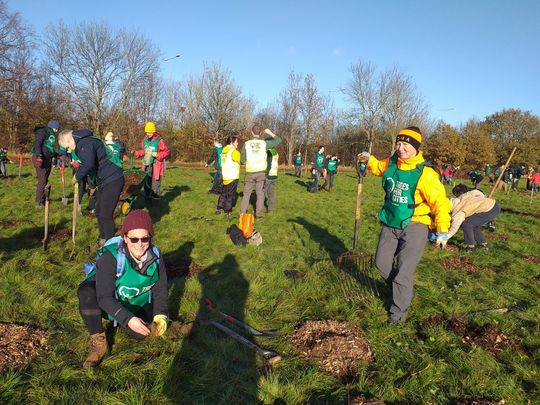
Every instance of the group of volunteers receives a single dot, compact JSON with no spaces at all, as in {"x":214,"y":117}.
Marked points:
{"x":98,"y":164}
{"x":128,"y":282}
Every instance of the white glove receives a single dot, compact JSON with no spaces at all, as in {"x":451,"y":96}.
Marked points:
{"x":442,"y":238}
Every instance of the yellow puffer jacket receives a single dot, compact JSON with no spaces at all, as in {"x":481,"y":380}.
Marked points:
{"x":430,"y":195}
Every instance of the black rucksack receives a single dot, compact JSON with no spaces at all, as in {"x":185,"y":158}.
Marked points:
{"x":236,"y":235}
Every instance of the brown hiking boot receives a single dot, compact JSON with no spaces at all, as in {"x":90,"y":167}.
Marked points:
{"x":99,"y":348}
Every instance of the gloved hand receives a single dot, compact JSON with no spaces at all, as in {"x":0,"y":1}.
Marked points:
{"x":364,"y":157}
{"x":38,"y":162}
{"x":432,"y":237}
{"x":160,"y":324}
{"x":154,"y":154}
{"x":75,"y":164}
{"x":442,"y":238}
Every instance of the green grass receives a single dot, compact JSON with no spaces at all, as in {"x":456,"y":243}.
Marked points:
{"x":413,"y":363}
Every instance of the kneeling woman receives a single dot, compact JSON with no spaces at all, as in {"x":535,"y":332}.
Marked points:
{"x":128,"y":285}
{"x":471,"y":210}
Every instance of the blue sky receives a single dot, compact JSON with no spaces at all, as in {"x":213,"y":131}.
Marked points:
{"x":467,"y":58}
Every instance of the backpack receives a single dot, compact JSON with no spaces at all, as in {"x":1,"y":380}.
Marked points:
{"x":89,"y":267}
{"x":255,"y":239}
{"x":236,"y":235}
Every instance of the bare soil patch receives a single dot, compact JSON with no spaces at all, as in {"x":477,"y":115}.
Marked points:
{"x":489,"y":337}
{"x":460,"y":263}
{"x":532,"y":259}
{"x":19,"y":345}
{"x":7,"y":223}
{"x":336,"y":345}
{"x":183,"y":268}
{"x":479,"y":402}
{"x":60,"y":234}
{"x":495,"y":236}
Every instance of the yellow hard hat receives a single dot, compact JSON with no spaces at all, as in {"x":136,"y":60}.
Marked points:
{"x":150,"y":127}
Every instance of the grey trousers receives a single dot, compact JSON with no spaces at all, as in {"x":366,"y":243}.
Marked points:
{"x":253,"y":181}
{"x":270,"y":193}
{"x":398,"y":253}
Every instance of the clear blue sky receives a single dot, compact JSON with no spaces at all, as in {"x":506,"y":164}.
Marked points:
{"x":468,"y":58}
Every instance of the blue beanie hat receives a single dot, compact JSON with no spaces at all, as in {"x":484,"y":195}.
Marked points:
{"x":53,"y":124}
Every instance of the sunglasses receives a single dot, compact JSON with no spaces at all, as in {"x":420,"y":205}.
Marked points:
{"x":144,"y":239}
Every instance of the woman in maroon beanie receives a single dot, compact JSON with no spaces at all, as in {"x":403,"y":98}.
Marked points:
{"x":128,"y":285}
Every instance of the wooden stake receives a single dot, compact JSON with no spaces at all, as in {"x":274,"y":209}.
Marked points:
{"x":502,"y":173}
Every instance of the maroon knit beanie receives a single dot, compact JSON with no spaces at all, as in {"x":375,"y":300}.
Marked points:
{"x":138,"y":219}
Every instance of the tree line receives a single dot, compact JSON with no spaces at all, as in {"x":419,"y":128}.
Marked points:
{"x":107,"y":79}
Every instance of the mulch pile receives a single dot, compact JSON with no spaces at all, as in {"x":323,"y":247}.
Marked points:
{"x":532,"y":259}
{"x":488,"y":337}
{"x":365,"y":401}
{"x":480,"y":402}
{"x":131,"y":183}
{"x":19,"y":344}
{"x":183,"y":268}
{"x":460,"y":263}
{"x":336,"y":345}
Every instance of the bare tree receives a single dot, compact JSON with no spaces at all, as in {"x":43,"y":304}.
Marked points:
{"x":289,"y":107}
{"x":404,"y":105}
{"x":368,"y":92}
{"x":217,"y":101}
{"x":100,"y":68}
{"x":311,"y":110}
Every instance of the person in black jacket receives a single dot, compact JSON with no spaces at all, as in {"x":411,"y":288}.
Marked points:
{"x":43,"y":152}
{"x":109,"y":176}
{"x":128,"y":284}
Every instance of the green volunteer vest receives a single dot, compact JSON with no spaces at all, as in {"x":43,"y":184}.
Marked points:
{"x":219,"y":149}
{"x":113,"y":151}
{"x":399,"y":187}
{"x":230,"y":169}
{"x":49,"y":141}
{"x":152,"y":144}
{"x":255,"y":156}
{"x":274,"y":164}
{"x":332,"y":164}
{"x":2,"y":155}
{"x":297,"y":161}
{"x":488,"y":170}
{"x":132,"y":288}
{"x":319,"y":160}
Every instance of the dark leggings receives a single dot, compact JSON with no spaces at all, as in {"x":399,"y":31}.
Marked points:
{"x":227,"y":198}
{"x":43,"y":173}
{"x":106,"y":200}
{"x":472,"y":226}
{"x":92,"y":314}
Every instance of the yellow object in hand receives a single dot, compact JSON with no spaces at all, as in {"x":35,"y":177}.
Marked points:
{"x":161,"y":324}
{"x":154,"y":154}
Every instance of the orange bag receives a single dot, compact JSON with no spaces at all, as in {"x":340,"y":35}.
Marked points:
{"x":246,"y":224}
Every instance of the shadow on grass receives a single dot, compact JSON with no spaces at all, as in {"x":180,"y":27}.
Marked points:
{"x":159,"y":208}
{"x":177,"y":284}
{"x":305,"y":184}
{"x":516,"y":212}
{"x":219,"y":370}
{"x":30,"y":238}
{"x":361,"y":269}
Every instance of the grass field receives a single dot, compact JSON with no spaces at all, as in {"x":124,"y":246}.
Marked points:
{"x":420,"y":362}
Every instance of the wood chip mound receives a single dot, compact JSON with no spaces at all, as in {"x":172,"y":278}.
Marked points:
{"x":336,"y":345}
{"x":131,"y":183}
{"x":19,"y":345}
{"x":488,"y":336}
{"x":183,"y":268}
{"x":480,"y":402}
{"x":460,"y":263}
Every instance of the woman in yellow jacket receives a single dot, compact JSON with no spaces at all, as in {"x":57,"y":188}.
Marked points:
{"x":413,"y":191}
{"x":230,"y":169}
